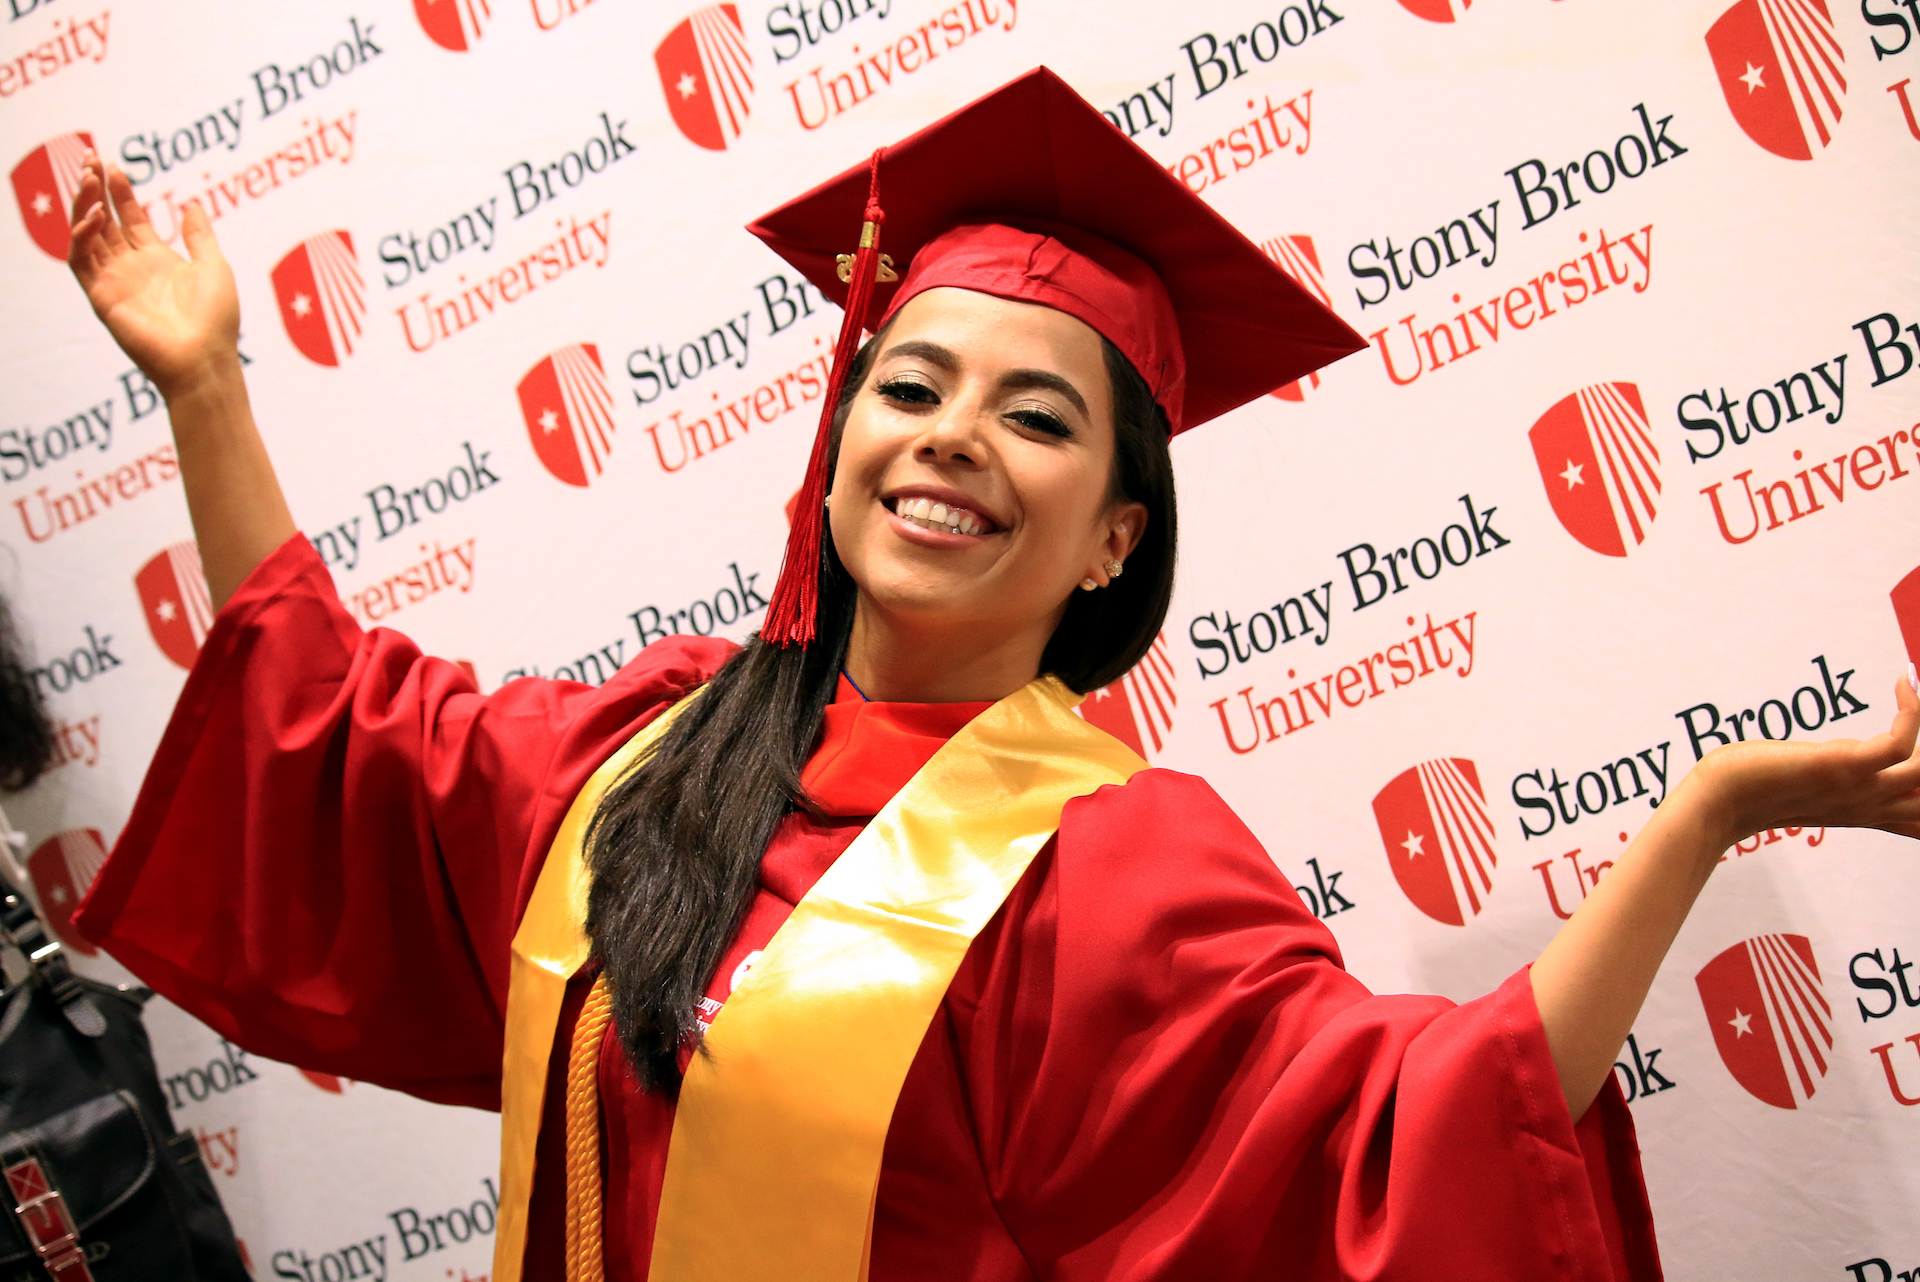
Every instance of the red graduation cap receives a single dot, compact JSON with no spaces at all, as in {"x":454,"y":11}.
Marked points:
{"x":1029,"y":193}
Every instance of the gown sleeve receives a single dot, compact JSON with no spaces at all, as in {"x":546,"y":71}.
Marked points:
{"x":337,"y":834}
{"x":1172,"y":1076}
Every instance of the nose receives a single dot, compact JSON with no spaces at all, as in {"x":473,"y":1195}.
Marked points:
{"x":952,"y":437}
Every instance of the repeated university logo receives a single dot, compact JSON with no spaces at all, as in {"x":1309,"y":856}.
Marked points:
{"x":1439,"y":838}
{"x":1780,"y":67}
{"x":174,"y":597}
{"x":707,"y":75}
{"x":453,"y":24}
{"x":321,"y":296}
{"x":44,"y":184}
{"x":62,"y":868}
{"x":1138,"y":708}
{"x":1770,"y":1017}
{"x":1295,"y":256}
{"x":1906,"y":612}
{"x":1438,"y":10}
{"x":1600,"y":466}
{"x":568,"y":409}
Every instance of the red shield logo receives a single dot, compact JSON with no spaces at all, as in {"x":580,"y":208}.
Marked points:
{"x":1138,"y":708}
{"x":1438,"y":10}
{"x":321,"y":298}
{"x":1600,"y":466}
{"x":1296,"y":257}
{"x":1439,"y":838}
{"x":1781,"y":69}
{"x":1769,"y":1016}
{"x":453,"y":24}
{"x":174,"y":597}
{"x":569,"y":412}
{"x":44,"y":184}
{"x":1906,"y":610}
{"x":707,"y":75}
{"x":62,"y":868}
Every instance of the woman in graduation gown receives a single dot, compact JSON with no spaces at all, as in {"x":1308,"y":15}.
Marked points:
{"x":852,"y":952}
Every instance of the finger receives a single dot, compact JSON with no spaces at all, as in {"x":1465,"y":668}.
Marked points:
{"x":139,"y":228}
{"x":1896,"y":745}
{"x":1902,"y":735}
{"x":1900,"y":779}
{"x":87,"y":194}
{"x":83,"y":244}
{"x":198,"y":234}
{"x":110,"y":240}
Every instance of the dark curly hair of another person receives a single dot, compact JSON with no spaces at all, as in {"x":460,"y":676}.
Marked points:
{"x":26,"y":736}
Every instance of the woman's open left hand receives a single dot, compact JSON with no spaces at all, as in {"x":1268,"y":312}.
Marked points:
{"x":1842,"y":783}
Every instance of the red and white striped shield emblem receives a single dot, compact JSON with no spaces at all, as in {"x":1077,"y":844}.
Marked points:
{"x":1296,"y":257}
{"x":44,"y":184}
{"x":1438,"y":10}
{"x":1906,"y":612}
{"x":1439,"y":838}
{"x":1138,"y":708}
{"x":63,"y":868}
{"x":1770,"y":1017}
{"x":174,"y":597}
{"x":1782,"y":71}
{"x":1600,"y":466}
{"x":453,"y":24}
{"x":568,"y":409}
{"x":707,"y":75}
{"x":321,"y":297}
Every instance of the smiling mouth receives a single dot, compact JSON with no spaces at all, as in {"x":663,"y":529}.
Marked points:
{"x":929,"y":515}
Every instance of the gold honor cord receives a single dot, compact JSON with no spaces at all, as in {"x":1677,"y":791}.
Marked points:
{"x":774,"y":1163}
{"x":548,"y":948}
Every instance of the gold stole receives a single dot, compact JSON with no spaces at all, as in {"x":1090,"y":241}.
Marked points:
{"x":775,"y":1157}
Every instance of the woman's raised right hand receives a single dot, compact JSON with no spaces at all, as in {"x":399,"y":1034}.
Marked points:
{"x":178,"y":318}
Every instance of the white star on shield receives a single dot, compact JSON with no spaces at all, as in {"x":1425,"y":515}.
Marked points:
{"x":1572,"y":475}
{"x":1741,"y":1023}
{"x":166,"y":610}
{"x":1753,"y":77}
{"x":687,"y":85}
{"x":301,"y":305}
{"x":42,"y":202}
{"x":549,"y":421}
{"x":1414,"y":844}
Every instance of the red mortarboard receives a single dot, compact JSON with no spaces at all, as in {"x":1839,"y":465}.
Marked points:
{"x":1031,"y":194}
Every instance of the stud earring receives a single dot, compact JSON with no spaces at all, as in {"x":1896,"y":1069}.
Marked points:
{"x":1114,"y":568}
{"x":1088,"y":585}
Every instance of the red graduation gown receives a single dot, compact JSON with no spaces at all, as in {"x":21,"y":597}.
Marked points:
{"x":1151,"y":1064}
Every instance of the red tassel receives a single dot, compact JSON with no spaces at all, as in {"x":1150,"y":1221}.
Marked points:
{"x":792,"y":613}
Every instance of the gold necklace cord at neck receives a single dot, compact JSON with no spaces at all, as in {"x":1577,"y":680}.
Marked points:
{"x":586,"y":1261}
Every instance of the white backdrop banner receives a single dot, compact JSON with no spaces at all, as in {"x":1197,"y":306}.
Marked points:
{"x":1629,"y":470}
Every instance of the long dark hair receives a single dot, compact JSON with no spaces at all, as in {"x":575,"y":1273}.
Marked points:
{"x":26,"y":736}
{"x":675,"y":846}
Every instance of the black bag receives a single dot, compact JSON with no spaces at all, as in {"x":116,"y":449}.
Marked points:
{"x":97,"y":1184}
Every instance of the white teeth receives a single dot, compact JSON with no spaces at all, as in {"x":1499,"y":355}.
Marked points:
{"x":939,"y":516}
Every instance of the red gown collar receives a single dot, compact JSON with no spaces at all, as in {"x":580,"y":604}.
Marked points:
{"x":868,"y":751}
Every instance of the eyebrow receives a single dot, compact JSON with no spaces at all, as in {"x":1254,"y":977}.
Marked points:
{"x":1015,"y":380}
{"x":932,"y":353}
{"x":1021,"y":379}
